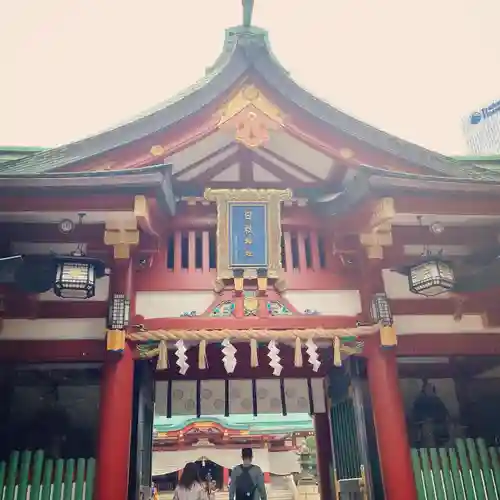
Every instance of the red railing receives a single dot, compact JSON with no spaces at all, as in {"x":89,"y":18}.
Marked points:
{"x":187,"y":260}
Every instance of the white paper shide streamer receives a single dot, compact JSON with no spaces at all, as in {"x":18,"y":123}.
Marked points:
{"x":312,"y":353}
{"x":229,"y":358}
{"x":180,"y":353}
{"x":274,"y":357}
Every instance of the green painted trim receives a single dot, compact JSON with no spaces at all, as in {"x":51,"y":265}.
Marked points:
{"x":21,"y":149}
{"x":262,"y":424}
{"x":477,"y":158}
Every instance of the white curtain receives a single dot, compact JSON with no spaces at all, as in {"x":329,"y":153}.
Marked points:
{"x":283,"y":463}
{"x":280,"y":463}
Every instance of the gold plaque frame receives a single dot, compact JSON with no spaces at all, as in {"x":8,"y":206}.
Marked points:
{"x":273,"y":198}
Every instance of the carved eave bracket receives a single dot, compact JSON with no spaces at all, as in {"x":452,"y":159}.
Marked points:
{"x":121,"y":235}
{"x":251,"y":115}
{"x":124,"y":233}
{"x":378,"y":233}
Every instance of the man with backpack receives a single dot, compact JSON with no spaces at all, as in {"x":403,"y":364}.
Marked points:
{"x":247,"y":479}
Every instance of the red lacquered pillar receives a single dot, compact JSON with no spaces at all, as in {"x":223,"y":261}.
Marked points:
{"x":324,"y":457}
{"x":225,"y":477}
{"x":390,"y":425}
{"x":267,"y":477}
{"x":115,"y":407}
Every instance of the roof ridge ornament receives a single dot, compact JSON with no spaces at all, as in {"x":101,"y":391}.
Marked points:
{"x":247,"y":12}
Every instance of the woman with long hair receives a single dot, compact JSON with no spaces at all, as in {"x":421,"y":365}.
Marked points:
{"x":189,"y":486}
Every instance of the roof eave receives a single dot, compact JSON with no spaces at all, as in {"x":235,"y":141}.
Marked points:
{"x":155,"y":179}
{"x":369,"y":181}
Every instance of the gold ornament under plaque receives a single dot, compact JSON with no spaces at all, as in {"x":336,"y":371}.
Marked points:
{"x":272,"y":198}
{"x":252,"y":115}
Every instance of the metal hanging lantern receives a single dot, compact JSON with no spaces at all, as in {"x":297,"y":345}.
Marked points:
{"x":76,"y":276}
{"x":431,"y":277}
{"x":119,"y":312}
{"x":381,"y":310}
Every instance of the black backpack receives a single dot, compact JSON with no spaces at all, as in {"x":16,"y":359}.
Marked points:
{"x":245,"y":486}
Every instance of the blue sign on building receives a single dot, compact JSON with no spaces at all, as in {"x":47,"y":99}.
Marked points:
{"x":248,"y":235}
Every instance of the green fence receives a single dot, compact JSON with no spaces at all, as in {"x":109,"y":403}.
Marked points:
{"x":468,"y":471}
{"x":31,"y":476}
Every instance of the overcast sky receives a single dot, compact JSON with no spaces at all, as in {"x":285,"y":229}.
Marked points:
{"x":73,"y":67}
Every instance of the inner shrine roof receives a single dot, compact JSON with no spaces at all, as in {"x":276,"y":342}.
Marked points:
{"x":246,"y":54}
{"x":263,"y":423}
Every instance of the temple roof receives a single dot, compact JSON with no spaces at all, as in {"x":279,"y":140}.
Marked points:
{"x":246,"y":51}
{"x":484,"y":161}
{"x":14,"y":153}
{"x":260,"y":424}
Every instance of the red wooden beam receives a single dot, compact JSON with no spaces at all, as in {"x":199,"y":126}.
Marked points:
{"x":159,"y":278}
{"x":19,"y":305}
{"x":246,"y":166}
{"x":464,"y":204}
{"x":452,"y":235}
{"x":276,"y":322}
{"x":49,"y":233}
{"x":90,"y":234}
{"x":24,"y":203}
{"x":31,"y":308}
{"x":205,"y":217}
{"x":42,"y":351}
{"x":471,"y":305}
{"x":463,"y":344}
{"x":188,"y":187}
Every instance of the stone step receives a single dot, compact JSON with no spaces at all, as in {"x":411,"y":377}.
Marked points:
{"x":272,"y":494}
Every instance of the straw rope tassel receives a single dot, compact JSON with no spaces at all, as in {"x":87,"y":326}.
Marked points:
{"x":254,"y":356}
{"x":202,"y":355}
{"x":337,"y":359}
{"x":298,"y":353}
{"x":162,"y":363}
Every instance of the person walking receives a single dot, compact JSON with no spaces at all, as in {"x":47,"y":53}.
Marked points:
{"x":190,"y":486}
{"x":247,"y":479}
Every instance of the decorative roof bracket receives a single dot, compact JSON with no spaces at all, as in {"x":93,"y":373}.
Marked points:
{"x":379,"y":233}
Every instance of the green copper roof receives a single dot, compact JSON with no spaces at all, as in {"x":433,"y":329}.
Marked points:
{"x":261,"y":424}
{"x":13,"y":153}
{"x":479,"y":159}
{"x":21,"y":149}
{"x":487,"y":164}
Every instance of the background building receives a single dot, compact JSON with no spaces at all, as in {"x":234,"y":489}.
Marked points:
{"x":482,"y":130}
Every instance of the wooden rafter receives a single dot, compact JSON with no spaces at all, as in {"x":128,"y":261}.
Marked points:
{"x":206,"y":158}
{"x":246,"y":166}
{"x":277,"y":170}
{"x":217,"y":169}
{"x":291,"y":164}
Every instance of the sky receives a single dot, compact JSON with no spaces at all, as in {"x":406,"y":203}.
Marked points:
{"x":414,"y":69}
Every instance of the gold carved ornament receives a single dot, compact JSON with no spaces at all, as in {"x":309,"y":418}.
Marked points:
{"x":251,"y":115}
